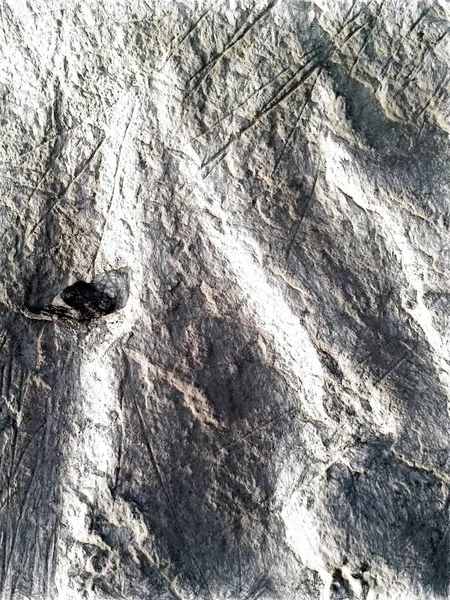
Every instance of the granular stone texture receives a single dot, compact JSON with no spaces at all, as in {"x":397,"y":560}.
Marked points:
{"x":224,"y":300}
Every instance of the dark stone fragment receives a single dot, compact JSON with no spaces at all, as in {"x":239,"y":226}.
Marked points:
{"x":88,"y":300}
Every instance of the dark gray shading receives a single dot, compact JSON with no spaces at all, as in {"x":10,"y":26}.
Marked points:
{"x":151,"y":122}
{"x":392,"y":512}
{"x":35,"y":404}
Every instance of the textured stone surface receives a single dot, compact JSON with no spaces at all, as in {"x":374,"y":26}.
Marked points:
{"x":247,"y":398}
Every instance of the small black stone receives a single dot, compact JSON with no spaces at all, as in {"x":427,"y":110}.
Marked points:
{"x":88,"y":300}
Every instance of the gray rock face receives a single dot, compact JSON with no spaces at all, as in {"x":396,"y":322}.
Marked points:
{"x":224,"y":300}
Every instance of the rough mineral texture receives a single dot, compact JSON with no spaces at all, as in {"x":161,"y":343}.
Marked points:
{"x":224,"y":299}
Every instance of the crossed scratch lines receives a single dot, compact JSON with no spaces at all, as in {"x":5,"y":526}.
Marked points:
{"x":390,"y":356}
{"x":164,"y":488}
{"x":79,"y":172}
{"x":77,"y":175}
{"x":36,"y":187}
{"x":23,"y":481}
{"x":115,"y":185}
{"x":134,"y":359}
{"x":311,"y":66}
{"x":298,"y":224}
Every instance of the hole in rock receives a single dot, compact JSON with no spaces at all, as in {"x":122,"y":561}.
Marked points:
{"x":106,"y":294}
{"x":89,"y":301}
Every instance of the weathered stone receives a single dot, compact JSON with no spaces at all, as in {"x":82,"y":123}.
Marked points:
{"x":224,"y":360}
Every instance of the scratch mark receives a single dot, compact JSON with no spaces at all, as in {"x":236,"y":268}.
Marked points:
{"x":420,"y":64}
{"x":348,"y":19}
{"x":52,"y":557}
{"x":114,"y":190}
{"x":239,"y":568}
{"x":3,"y":339}
{"x":118,"y":467}
{"x":313,"y":52}
{"x":15,"y":426}
{"x":433,"y":95}
{"x":45,"y":141}
{"x":296,"y":228}
{"x":374,"y":22}
{"x":377,"y":352}
{"x":233,"y":111}
{"x":181,"y":40}
{"x":291,"y":133}
{"x":3,"y":550}
{"x":259,"y":587}
{"x":8,"y":378}
{"x":51,"y":158}
{"x":353,"y":33}
{"x":19,"y":525}
{"x":20,"y":458}
{"x":391,"y":369}
{"x":60,"y":196}
{"x":3,"y":26}
{"x":164,"y":488}
{"x":399,"y":45}
{"x":22,"y":185}
{"x":306,"y":71}
{"x":33,"y":549}
{"x":261,"y":427}
{"x":417,"y":21}
{"x":204,"y":72}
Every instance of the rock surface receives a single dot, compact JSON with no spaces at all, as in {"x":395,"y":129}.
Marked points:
{"x":224,"y":299}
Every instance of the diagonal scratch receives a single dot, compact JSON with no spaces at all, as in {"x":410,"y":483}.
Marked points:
{"x":205,"y":71}
{"x":291,"y":133}
{"x":393,"y":367}
{"x":181,"y":40}
{"x":164,"y":489}
{"x":299,"y":223}
{"x":368,"y":36}
{"x":233,"y":111}
{"x":261,"y":427}
{"x":61,"y":196}
{"x":114,"y":190}
{"x":281,"y":95}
